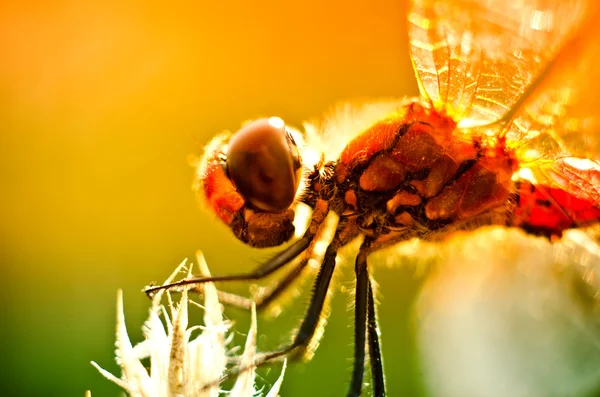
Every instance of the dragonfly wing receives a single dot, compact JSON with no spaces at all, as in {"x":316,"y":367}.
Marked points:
{"x":555,"y":132}
{"x":560,"y":116}
{"x":474,"y":59}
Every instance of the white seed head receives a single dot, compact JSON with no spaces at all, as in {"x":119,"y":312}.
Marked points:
{"x":180,"y":364}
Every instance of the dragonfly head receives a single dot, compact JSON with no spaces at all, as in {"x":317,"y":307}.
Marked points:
{"x":251,"y":180}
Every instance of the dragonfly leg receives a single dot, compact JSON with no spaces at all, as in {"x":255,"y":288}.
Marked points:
{"x":263,"y":300}
{"x":374,"y":346}
{"x":262,"y":271}
{"x":366,"y":329}
{"x":312,"y":317}
{"x":360,"y":324}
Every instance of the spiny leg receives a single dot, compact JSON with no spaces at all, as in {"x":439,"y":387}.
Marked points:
{"x":279,"y":260}
{"x":263,"y":300}
{"x":313,"y":313}
{"x":262,"y":271}
{"x":374,"y":346}
{"x":360,"y":324}
{"x":315,"y":307}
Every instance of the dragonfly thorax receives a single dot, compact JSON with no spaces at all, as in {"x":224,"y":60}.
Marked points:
{"x":413,"y":173}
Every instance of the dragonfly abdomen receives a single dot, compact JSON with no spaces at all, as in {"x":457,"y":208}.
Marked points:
{"x":548,"y":211}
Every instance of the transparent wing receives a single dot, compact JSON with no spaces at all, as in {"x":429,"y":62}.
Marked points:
{"x":560,"y":116}
{"x":525,"y":69}
{"x":556,"y":131}
{"x":474,"y":59}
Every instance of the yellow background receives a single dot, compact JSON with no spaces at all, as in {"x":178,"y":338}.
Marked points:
{"x":100,"y":106}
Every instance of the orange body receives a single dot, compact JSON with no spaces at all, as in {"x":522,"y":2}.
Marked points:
{"x":429,"y":170}
{"x":417,"y":172}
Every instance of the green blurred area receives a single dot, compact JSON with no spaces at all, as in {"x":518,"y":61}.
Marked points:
{"x":101,"y":104}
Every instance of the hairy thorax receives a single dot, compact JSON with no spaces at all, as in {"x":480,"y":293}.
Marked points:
{"x":414,"y":174}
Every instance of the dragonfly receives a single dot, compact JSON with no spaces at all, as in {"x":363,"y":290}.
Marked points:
{"x":503,"y":133}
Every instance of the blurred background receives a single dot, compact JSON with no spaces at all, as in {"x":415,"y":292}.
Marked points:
{"x":102,"y":107}
{"x":102,"y":103}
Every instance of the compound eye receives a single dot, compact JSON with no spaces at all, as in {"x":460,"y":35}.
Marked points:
{"x":264,"y":164}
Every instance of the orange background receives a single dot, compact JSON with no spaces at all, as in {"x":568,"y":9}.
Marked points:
{"x":101,"y":105}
